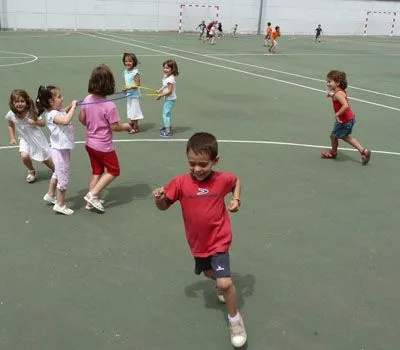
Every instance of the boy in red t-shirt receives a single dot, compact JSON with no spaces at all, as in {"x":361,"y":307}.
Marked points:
{"x":207,"y":224}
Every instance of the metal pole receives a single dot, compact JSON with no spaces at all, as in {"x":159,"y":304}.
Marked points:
{"x":260,"y":15}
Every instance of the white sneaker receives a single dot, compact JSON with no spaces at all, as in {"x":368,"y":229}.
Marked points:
{"x":238,"y":332}
{"x":31,"y":177}
{"x":220,"y":296}
{"x":49,"y":199}
{"x":95,"y":201}
{"x":90,"y":207}
{"x":63,"y":210}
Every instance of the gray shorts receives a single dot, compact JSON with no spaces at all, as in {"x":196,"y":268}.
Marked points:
{"x":218,"y":263}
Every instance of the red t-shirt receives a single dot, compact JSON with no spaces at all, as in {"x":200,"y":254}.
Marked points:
{"x":348,"y":113}
{"x":207,"y":223}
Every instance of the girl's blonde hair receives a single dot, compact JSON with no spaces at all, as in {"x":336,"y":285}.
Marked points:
{"x":339,"y":78}
{"x":30,"y":105}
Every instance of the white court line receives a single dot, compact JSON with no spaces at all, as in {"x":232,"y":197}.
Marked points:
{"x":234,"y":69}
{"x":31,"y":58}
{"x":250,"y":142}
{"x":303,"y":54}
{"x":258,"y":67}
{"x":94,"y":56}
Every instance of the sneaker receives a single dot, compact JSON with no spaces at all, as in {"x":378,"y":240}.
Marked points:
{"x":49,"y":199}
{"x":162,"y":129}
{"x":31,"y":177}
{"x":165,"y":133}
{"x":63,"y":210}
{"x":238,"y":333}
{"x":95,"y":201}
{"x":220,"y":296}
{"x":90,"y":207}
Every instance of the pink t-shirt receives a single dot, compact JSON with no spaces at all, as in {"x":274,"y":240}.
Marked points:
{"x":207,"y":224}
{"x":99,"y":117}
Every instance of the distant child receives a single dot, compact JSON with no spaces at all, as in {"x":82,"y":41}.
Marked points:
{"x":210,"y":35}
{"x":168,"y":91}
{"x":132,"y":86}
{"x":268,"y":33}
{"x":318,"y":32}
{"x":234,"y":30}
{"x":100,"y":116}
{"x":345,"y":118}
{"x":24,"y":123}
{"x":274,"y":37}
{"x":50,"y":101}
{"x":201,"y":193}
{"x":201,"y":27}
{"x":220,"y":33}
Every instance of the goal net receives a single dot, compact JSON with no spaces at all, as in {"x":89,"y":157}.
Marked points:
{"x":380,"y":23}
{"x":191,"y":15}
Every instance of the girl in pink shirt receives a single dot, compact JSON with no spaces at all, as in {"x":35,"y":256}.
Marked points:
{"x":101,"y":118}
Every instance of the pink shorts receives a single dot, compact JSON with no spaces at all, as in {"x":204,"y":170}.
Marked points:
{"x":103,"y":160}
{"x":62,"y":162}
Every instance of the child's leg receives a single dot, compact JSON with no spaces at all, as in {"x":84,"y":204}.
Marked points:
{"x":49,"y":163}
{"x":167,"y":108}
{"x":335,"y":144}
{"x":26,"y":159}
{"x":103,"y":182}
{"x":354,"y":142}
{"x":62,"y":161}
{"x":228,"y":290}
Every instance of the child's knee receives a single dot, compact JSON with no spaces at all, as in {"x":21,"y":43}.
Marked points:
{"x":25,"y":156}
{"x":224,"y":283}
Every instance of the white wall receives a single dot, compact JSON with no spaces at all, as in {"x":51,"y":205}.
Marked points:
{"x":294,"y":16}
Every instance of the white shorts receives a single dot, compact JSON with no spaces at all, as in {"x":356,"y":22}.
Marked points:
{"x":134,"y":111}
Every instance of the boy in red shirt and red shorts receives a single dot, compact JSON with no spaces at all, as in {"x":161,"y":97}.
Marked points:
{"x":201,"y":193}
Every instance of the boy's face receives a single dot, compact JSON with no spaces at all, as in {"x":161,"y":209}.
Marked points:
{"x":200,"y":165}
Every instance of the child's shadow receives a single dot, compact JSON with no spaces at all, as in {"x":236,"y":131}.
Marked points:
{"x":147,"y":126}
{"x":343,"y":157}
{"x":180,"y":129}
{"x":244,"y":289}
{"x":116,"y":195}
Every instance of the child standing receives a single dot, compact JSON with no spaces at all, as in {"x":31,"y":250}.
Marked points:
{"x":168,"y":91}
{"x":208,"y":229}
{"x":24,"y":121}
{"x":274,"y":37}
{"x":268,"y":33}
{"x":318,"y":32}
{"x":201,"y":27}
{"x":234,"y":30}
{"x":132,"y":86}
{"x":345,"y":118}
{"x":50,"y":100}
{"x":101,"y":118}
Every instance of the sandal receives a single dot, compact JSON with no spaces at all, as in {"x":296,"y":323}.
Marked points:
{"x":328,"y":155}
{"x":31,"y":177}
{"x":366,"y":156}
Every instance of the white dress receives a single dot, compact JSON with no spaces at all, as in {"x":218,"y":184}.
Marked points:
{"x":32,"y":140}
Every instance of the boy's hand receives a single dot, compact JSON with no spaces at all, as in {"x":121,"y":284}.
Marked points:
{"x":234,"y":205}
{"x":159,"y":193}
{"x":13,"y":142}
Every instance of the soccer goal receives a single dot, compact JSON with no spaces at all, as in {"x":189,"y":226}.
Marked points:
{"x":191,"y":15}
{"x":380,"y":23}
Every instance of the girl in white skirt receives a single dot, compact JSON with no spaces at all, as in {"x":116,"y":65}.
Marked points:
{"x":132,"y":88}
{"x":24,"y":123}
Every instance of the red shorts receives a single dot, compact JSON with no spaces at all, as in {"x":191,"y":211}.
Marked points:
{"x":103,"y":160}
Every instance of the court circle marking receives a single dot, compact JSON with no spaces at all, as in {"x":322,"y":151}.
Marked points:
{"x":31,"y":58}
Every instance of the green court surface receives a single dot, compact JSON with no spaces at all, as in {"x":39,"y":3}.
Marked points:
{"x":316,"y":243}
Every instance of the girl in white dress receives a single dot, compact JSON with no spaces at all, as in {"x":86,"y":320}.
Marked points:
{"x":24,"y":124}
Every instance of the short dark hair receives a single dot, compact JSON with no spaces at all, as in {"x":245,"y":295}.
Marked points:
{"x":339,"y":78}
{"x":101,"y":81}
{"x":203,"y":142}
{"x":269,"y":23}
{"x":173,"y":65}
{"x":132,"y":56}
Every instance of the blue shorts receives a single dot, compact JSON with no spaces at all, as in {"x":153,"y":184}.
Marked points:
{"x":218,"y":263}
{"x":341,"y":130}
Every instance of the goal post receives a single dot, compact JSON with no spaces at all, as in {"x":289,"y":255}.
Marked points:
{"x":191,"y":15}
{"x":380,"y":23}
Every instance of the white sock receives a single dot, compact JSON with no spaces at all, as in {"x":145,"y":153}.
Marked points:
{"x":235,"y":318}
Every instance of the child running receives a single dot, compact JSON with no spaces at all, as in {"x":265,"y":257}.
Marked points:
{"x":318,"y":32}
{"x":345,"y":118}
{"x":132,"y":84}
{"x":24,"y":123}
{"x":101,"y":118}
{"x":201,"y":27}
{"x":274,"y":37}
{"x":168,"y":91}
{"x":50,"y":101}
{"x":268,"y":33}
{"x":201,"y":193}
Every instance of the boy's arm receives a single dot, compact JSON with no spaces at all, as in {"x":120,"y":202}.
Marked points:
{"x":116,"y":127}
{"x":234,"y":204}
{"x":160,"y":198}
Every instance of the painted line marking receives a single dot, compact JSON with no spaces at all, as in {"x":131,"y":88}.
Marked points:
{"x":96,"y":56}
{"x":31,"y":58}
{"x":258,"y":67}
{"x":234,"y":69}
{"x":250,"y":142}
